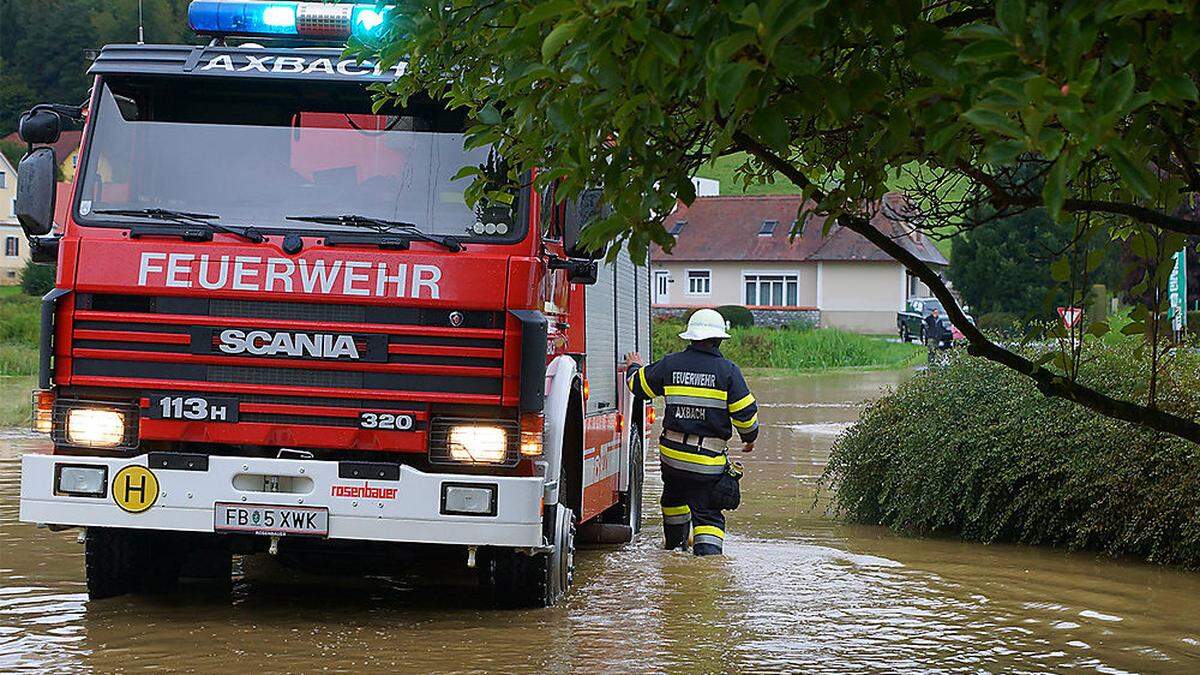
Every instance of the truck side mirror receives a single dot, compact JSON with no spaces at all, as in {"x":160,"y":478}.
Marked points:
{"x":579,"y":213}
{"x":40,"y":127}
{"x":36,"y":192}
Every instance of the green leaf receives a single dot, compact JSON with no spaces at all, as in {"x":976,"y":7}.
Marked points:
{"x":1010,"y":14}
{"x":1137,"y":178}
{"x":1094,"y":258}
{"x":990,"y":120}
{"x":557,"y":38}
{"x":1114,"y":92}
{"x":772,"y":128}
{"x":1178,"y":87}
{"x":728,"y":83}
{"x":986,"y":50}
{"x":1054,"y":191}
{"x":1001,"y":153}
{"x":488,"y":115}
{"x":1060,"y":269}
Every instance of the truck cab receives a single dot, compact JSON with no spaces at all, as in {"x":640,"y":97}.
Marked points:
{"x":280,"y":325}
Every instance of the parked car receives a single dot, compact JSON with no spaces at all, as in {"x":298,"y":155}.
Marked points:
{"x":911,"y":322}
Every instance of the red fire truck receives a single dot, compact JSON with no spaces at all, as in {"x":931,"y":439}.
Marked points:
{"x":278,"y":326}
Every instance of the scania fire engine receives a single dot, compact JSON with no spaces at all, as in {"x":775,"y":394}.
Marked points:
{"x":279,"y":326}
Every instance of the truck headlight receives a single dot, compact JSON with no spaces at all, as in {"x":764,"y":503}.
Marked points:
{"x":478,"y":443}
{"x":95,"y":428}
{"x":81,"y":480}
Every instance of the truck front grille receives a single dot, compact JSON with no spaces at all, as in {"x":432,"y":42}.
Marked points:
{"x":400,"y":353}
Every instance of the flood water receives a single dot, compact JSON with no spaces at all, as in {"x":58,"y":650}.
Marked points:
{"x":796,"y":591}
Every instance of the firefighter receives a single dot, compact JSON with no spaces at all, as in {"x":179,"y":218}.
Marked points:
{"x":707,"y":398}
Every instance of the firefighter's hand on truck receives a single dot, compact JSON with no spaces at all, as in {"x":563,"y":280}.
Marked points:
{"x":749,"y":447}
{"x":633,"y":358}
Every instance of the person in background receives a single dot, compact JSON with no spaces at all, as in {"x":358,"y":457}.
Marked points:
{"x":707,"y":399}
{"x":933,"y":334}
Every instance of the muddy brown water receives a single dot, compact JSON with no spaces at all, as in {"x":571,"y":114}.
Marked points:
{"x":796,"y":592}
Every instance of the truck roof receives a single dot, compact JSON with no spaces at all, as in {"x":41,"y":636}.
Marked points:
{"x":280,"y":63}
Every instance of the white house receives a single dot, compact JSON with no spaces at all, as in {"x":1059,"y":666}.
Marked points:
{"x":737,"y":251}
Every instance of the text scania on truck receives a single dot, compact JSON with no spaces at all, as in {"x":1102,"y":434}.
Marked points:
{"x":278,"y":326}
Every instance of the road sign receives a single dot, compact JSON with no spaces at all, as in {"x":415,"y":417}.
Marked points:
{"x":1177,"y":292}
{"x":1070,"y":316}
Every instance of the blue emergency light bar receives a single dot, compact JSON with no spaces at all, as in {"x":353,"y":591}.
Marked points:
{"x":255,"y":18}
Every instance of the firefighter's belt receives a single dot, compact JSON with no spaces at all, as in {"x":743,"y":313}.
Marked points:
{"x":697,"y":441}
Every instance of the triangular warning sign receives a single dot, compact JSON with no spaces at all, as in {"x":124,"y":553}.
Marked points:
{"x":1070,"y":316}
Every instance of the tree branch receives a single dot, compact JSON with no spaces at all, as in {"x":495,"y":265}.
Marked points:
{"x":1139,"y":213}
{"x":1048,"y":382}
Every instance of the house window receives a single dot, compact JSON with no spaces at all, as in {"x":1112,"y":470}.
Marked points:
{"x":772,"y":290}
{"x":3,"y":180}
{"x":678,"y":227}
{"x":768,"y":228}
{"x":699,"y":282}
{"x":12,"y":247}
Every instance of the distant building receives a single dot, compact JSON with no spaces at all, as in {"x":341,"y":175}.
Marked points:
{"x":16,"y":249}
{"x":66,"y":151}
{"x":736,"y":251}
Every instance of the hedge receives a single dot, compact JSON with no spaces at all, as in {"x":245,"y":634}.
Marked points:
{"x":973,"y":450}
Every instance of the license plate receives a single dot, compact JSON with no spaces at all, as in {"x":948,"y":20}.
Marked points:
{"x":271,"y":519}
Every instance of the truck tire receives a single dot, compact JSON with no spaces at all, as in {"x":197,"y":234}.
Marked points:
{"x":541,"y":579}
{"x":118,"y":562}
{"x":112,"y":561}
{"x":904,"y":336}
{"x":631,"y":501}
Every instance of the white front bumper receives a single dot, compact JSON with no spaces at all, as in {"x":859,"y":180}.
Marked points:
{"x":186,"y":498}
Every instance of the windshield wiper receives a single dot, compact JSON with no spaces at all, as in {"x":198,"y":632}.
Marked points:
{"x":204,"y":220}
{"x":406,"y":230}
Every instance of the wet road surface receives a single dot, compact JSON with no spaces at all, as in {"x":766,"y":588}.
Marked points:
{"x":797,"y":591}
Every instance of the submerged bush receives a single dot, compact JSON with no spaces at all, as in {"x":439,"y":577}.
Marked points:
{"x":973,"y":449}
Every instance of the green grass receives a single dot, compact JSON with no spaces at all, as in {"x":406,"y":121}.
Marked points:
{"x":798,"y":350}
{"x":15,"y":406}
{"x":19,"y":328}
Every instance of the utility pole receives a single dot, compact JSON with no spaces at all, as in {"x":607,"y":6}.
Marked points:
{"x":141,"y":26}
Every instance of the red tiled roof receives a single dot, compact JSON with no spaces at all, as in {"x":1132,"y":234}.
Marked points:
{"x":68,"y":142}
{"x":726,"y":228}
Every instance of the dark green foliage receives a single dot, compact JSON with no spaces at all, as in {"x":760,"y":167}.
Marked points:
{"x":43,"y":43}
{"x":37,"y":279}
{"x":974,"y":450}
{"x":999,"y":323}
{"x":737,"y":316}
{"x":13,"y":152}
{"x":1002,"y":266}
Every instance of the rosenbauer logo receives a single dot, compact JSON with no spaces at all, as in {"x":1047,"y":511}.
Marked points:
{"x":364,"y":491}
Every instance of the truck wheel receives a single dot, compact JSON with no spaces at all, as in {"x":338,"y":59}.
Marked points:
{"x":540,"y":580}
{"x":631,"y":501}
{"x":112,"y":560}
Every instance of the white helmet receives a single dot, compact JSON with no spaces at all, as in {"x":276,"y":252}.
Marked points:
{"x":706,"y":324}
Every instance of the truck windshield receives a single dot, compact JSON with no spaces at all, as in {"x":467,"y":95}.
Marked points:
{"x":257,"y":151}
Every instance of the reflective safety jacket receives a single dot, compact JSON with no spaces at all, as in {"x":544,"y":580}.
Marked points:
{"x":707,"y":398}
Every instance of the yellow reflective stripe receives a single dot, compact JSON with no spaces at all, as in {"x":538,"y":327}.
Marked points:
{"x":741,"y":404}
{"x":699,"y":392}
{"x":645,"y":386}
{"x":708,"y":529}
{"x":692,"y":457}
{"x":629,"y":381}
{"x":747,"y":424}
{"x":676,"y":510}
